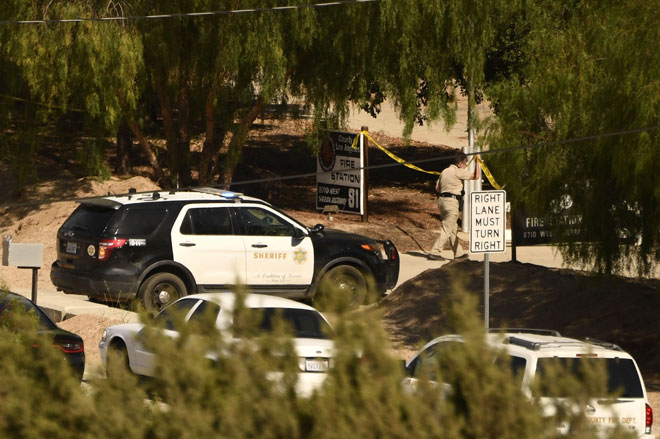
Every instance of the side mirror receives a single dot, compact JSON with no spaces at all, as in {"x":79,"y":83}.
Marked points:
{"x":317,"y":228}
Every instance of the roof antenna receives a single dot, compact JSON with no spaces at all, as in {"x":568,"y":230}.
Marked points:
{"x":155,"y":196}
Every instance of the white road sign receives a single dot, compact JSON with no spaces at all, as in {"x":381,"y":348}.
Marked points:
{"x":340,"y":173}
{"x":487,"y":222}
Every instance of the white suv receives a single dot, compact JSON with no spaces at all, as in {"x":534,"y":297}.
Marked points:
{"x":532,"y":351}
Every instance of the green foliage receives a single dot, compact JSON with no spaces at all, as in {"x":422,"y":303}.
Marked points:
{"x":592,"y":71}
{"x":92,"y":159}
{"x":36,"y":383}
{"x":58,"y":68}
{"x":363,"y":396}
{"x":216,"y":387}
{"x":553,"y":70}
{"x":212,"y":386}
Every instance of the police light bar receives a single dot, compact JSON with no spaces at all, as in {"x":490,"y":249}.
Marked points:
{"x":230,"y":195}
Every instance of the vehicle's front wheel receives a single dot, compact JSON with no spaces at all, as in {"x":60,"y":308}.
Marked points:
{"x":342,"y":287}
{"x":116,"y":362}
{"x":160,"y":290}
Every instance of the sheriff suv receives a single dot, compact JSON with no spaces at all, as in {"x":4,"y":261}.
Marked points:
{"x":532,"y":352}
{"x":160,"y":246}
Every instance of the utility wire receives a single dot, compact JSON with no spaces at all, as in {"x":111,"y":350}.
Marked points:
{"x":372,"y":167}
{"x":187,"y":14}
{"x":17,"y":99}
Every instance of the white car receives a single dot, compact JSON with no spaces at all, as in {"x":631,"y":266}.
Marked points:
{"x":311,"y":336}
{"x":531,"y":352}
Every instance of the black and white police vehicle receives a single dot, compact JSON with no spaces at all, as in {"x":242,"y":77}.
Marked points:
{"x":160,"y":246}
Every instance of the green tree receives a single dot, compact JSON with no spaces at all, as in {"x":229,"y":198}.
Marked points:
{"x":213,"y":72}
{"x":60,"y":69}
{"x":592,"y":71}
{"x":420,"y":54}
{"x":217,"y":73}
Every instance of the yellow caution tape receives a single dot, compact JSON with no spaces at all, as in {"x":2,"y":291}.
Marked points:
{"x":485,"y":170}
{"x":488,"y":175}
{"x":392,"y":156}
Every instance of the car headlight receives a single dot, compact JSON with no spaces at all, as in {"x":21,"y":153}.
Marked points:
{"x":375,"y":248}
{"x":104,"y":335}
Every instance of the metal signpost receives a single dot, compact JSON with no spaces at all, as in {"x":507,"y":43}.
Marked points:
{"x":487,"y":232}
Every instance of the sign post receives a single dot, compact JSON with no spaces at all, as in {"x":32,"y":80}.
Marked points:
{"x":487,"y":232}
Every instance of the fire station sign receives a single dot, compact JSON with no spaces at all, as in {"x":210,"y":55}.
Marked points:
{"x":340,"y":173}
{"x":487,"y":222}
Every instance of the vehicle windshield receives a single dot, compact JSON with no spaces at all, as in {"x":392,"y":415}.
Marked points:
{"x":622,"y":376}
{"x":303,"y":322}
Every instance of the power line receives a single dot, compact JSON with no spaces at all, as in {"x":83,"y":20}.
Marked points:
{"x":17,"y":99}
{"x":372,"y":167}
{"x":187,"y":14}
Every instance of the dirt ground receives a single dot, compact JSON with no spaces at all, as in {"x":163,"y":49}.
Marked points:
{"x":402,"y":208}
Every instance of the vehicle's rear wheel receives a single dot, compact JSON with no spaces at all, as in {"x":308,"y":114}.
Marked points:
{"x":116,"y":362}
{"x":342,"y":287}
{"x":160,"y":290}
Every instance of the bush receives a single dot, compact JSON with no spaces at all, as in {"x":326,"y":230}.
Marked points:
{"x":247,"y":390}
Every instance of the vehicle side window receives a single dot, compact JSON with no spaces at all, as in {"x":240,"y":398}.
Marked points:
{"x":260,"y":222}
{"x":207,"y":221}
{"x":137,"y":221}
{"x":90,"y":219}
{"x":436,"y":359}
{"x":515,"y":364}
{"x":204,"y":316}
{"x":174,"y":315}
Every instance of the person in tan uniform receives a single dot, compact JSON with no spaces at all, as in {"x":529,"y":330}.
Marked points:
{"x":450,"y":187}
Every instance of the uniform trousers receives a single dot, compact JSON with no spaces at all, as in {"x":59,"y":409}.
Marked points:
{"x":449,"y":212}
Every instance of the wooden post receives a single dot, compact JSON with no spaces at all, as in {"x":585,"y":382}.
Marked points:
{"x":35,"y":279}
{"x":365,"y":151}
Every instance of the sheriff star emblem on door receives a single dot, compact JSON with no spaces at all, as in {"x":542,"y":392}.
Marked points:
{"x":300,"y":256}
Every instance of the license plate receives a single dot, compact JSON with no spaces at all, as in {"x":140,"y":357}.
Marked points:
{"x":316,"y":365}
{"x":71,"y":247}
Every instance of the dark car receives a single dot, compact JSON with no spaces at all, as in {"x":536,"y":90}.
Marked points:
{"x":70,"y":344}
{"x":160,"y":246}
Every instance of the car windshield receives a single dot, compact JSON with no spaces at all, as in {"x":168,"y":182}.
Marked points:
{"x":622,"y":376}
{"x":304,"y":323}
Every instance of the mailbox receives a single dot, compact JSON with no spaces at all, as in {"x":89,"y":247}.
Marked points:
{"x":22,"y":255}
